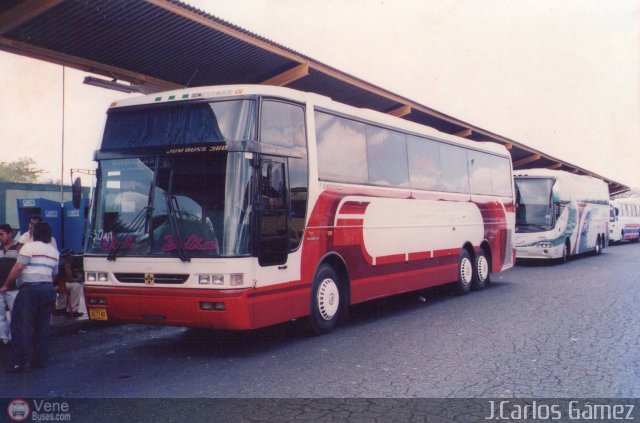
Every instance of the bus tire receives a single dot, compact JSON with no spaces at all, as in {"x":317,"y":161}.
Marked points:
{"x":326,"y":298}
{"x":481,"y":271}
{"x":598,"y":249}
{"x":565,"y":252}
{"x":465,"y":273}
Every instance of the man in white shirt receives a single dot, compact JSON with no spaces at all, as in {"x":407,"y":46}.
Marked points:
{"x":31,"y":316}
{"x":28,"y":236}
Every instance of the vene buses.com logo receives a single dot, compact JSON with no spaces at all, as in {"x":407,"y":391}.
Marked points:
{"x":18,"y":410}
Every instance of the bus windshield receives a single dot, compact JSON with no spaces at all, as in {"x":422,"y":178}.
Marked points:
{"x":535,"y":206}
{"x":182,"y":206}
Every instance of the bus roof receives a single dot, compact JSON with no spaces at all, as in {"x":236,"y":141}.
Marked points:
{"x":226,"y":91}
{"x":552,"y":173}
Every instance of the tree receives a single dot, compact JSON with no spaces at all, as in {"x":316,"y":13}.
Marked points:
{"x":21,"y":170}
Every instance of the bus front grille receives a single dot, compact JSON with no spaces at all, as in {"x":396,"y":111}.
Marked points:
{"x":151,"y":278}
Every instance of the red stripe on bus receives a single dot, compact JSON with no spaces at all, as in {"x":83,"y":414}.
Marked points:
{"x":353,"y":207}
{"x":447,"y":252}
{"x":349,"y":223}
{"x":421,"y":255}
{"x":394,"y":258}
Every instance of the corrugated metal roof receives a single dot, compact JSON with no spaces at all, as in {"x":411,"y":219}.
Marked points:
{"x":162,"y":44}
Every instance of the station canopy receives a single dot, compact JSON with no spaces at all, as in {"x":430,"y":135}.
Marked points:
{"x":158,"y":45}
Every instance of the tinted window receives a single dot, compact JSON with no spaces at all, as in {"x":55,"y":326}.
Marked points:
{"x":387,"y":153}
{"x":180,"y":124}
{"x":298,"y":197}
{"x":274,"y":239}
{"x":454,"y":168}
{"x":501,"y":176}
{"x":282,"y":124}
{"x":479,"y":172}
{"x":342,"y":149}
{"x":424,"y":163}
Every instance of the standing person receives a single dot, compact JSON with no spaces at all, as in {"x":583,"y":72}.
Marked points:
{"x":35,"y":266}
{"x":69,"y":302}
{"x":8,"y":256}
{"x":28,"y":236}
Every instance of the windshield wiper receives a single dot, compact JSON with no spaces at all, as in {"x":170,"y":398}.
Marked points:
{"x":177,"y":233}
{"x":138,"y":222}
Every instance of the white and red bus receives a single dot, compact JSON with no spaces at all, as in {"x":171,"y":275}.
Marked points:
{"x":239,"y":207}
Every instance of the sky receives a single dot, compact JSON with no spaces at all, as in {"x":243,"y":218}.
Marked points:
{"x":562,"y":77}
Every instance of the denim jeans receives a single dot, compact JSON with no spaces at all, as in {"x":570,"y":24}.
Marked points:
{"x":6,"y":304}
{"x":31,"y":324}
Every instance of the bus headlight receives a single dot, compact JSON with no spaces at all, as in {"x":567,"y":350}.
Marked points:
{"x":97,"y":277}
{"x":233,"y":279}
{"x":544,"y":244}
{"x":213,"y":279}
{"x":237,"y":279}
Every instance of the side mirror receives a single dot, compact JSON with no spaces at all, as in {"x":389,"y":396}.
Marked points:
{"x":76,"y":193}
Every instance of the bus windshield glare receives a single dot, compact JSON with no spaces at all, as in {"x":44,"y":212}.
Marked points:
{"x":173,"y":207}
{"x":535,"y":207}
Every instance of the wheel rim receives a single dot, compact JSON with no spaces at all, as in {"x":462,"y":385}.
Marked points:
{"x":482,"y":268}
{"x":328,"y":299}
{"x":466,"y":271}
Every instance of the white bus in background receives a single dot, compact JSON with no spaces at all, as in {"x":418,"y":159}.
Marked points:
{"x":559,"y":214}
{"x":615,"y":234}
{"x":624,"y":222}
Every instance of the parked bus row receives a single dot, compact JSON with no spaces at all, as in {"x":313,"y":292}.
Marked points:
{"x":239,"y":207}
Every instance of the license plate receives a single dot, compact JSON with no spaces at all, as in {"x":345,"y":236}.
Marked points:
{"x":98,"y":314}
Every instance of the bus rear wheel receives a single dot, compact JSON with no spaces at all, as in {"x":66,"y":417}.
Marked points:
{"x":326,"y":297}
{"x":465,"y":273}
{"x":482,"y":271}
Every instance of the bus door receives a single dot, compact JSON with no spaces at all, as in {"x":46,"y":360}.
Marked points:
{"x":273,"y":240}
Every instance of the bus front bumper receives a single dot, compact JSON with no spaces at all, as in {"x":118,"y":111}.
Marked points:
{"x":218,"y":309}
{"x":547,"y":253}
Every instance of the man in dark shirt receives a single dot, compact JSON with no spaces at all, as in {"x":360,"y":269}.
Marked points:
{"x":8,"y":256}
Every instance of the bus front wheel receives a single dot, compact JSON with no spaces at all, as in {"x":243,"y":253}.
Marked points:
{"x":465,"y":273}
{"x":565,"y":253}
{"x":325,"y":300}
